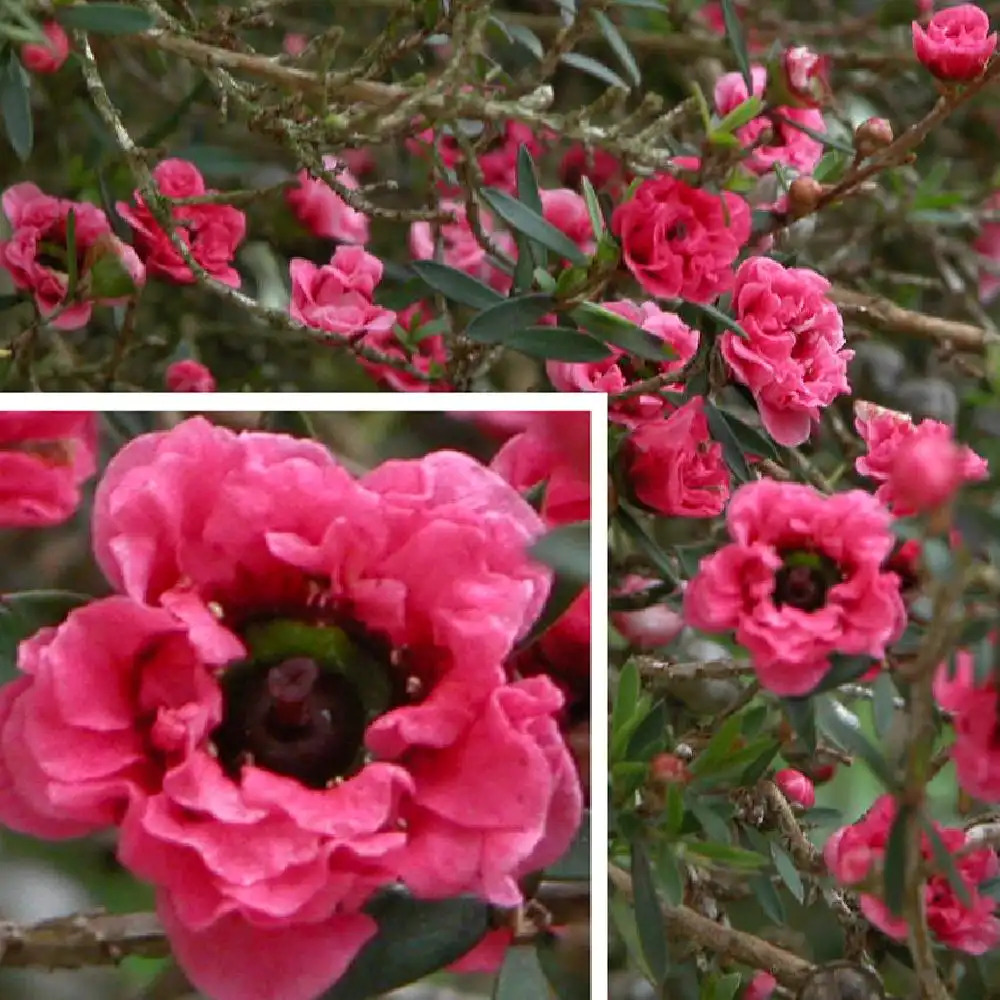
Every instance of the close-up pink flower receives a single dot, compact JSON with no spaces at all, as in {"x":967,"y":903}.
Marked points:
{"x":44,"y":459}
{"x":37,"y":255}
{"x":337,"y":297}
{"x":886,"y":433}
{"x":295,"y":699}
{"x":679,"y":241}
{"x":621,"y":370}
{"x":801,"y":579}
{"x":211,"y":232}
{"x":324,"y":212}
{"x":673,"y":466}
{"x":189,"y":376}
{"x":856,"y":852}
{"x":956,"y":44}
{"x":793,"y":358}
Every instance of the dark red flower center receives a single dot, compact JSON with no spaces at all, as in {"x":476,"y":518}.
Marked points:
{"x":804,"y":580}
{"x":294,"y":718}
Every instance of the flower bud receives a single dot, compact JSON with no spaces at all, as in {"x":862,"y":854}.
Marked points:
{"x":760,"y":987}
{"x":189,"y":376}
{"x":871,"y":136}
{"x":669,"y":769}
{"x":804,"y":195}
{"x":796,"y":787}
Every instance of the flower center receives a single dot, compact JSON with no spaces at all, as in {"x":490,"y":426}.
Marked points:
{"x":300,"y":706}
{"x":804,"y":580}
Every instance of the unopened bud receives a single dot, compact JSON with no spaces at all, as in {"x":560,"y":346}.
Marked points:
{"x":804,"y":196}
{"x":669,"y":769}
{"x":871,"y":136}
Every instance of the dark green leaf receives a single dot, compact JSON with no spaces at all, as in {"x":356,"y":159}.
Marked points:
{"x":674,"y":810}
{"x":567,"y":550}
{"x":525,"y":220}
{"x":508,"y":317}
{"x":768,"y":898}
{"x":617,"y":330}
{"x":456,"y":285}
{"x":843,"y":670}
{"x":945,"y":862}
{"x":854,"y":741}
{"x":825,"y":138}
{"x":801,"y":714}
{"x":732,"y":450}
{"x":568,"y":980}
{"x":563,"y":593}
{"x":593,"y":68}
{"x":15,"y":105}
{"x":757,"y":767}
{"x":737,"y":41}
{"x":650,"y":735}
{"x":787,"y":871}
{"x":22,"y":615}
{"x":719,"y":747}
{"x":532,"y":257}
{"x":883,"y":707}
{"x":415,"y":938}
{"x":520,"y":975}
{"x":752,"y":440}
{"x":105,"y":18}
{"x":639,"y":534}
{"x":894,"y":865}
{"x":669,"y":870}
{"x":618,"y":45}
{"x":725,"y":854}
{"x":524,"y":36}
{"x":722,"y":318}
{"x":557,"y":343}
{"x":626,"y":697}
{"x":648,"y":916}
{"x":715,"y":825}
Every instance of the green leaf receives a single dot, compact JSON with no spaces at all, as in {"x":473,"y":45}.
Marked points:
{"x":894,"y":864}
{"x":415,"y":938}
{"x":520,"y":975}
{"x":671,"y":877}
{"x":648,"y":545}
{"x":23,"y":614}
{"x":719,"y":747}
{"x":648,"y":916}
{"x":108,"y":278}
{"x":593,"y":207}
{"x":722,"y":318}
{"x":732,"y":450}
{"x":801,"y":713}
{"x":557,"y":343}
{"x":615,"y":329}
{"x":843,"y":670}
{"x":740,"y":115}
{"x":565,"y":590}
{"x":456,"y":285}
{"x":568,"y":981}
{"x":15,"y":105}
{"x":725,"y":854}
{"x":649,"y":736}
{"x":737,"y":41}
{"x":752,"y":440}
{"x":626,"y":697}
{"x":567,"y":550}
{"x":524,"y":36}
{"x":526,"y":220}
{"x":854,"y":742}
{"x":618,"y":45}
{"x":787,"y":871}
{"x":531,"y":256}
{"x":503,"y":320}
{"x":105,"y":18}
{"x":945,"y":862}
{"x":767,"y":896}
{"x":593,"y":68}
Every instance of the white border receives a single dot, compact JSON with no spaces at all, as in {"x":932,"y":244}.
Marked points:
{"x":345,"y":402}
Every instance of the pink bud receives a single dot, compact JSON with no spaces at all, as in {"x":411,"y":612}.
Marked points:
{"x":669,"y":769}
{"x":872,"y":135}
{"x":294,"y":44}
{"x":796,"y":787}
{"x":46,"y":57}
{"x":926,"y":471}
{"x":646,"y":628}
{"x":189,"y":376}
{"x":806,"y":75}
{"x":760,"y":987}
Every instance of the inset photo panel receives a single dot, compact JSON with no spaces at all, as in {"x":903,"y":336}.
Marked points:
{"x":296,"y":705}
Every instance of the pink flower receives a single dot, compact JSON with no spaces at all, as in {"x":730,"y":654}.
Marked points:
{"x":796,"y":787}
{"x":322,"y":211}
{"x":760,"y":987}
{"x":855,"y":852}
{"x":620,"y":371}
{"x":604,"y":171}
{"x":44,"y":458}
{"x":423,"y":351}
{"x":801,"y":579}
{"x":885,"y":432}
{"x":211,"y":232}
{"x":956,"y":44}
{"x":47,"y":57}
{"x":297,"y":701}
{"x":37,"y":251}
{"x":987,"y":245}
{"x":189,"y":376}
{"x":567,"y":211}
{"x":679,"y":241}
{"x":673,"y":466}
{"x":294,"y":44}
{"x":806,"y":75}
{"x":786,"y":144}
{"x":648,"y":628}
{"x":461,"y":249}
{"x":926,"y":472}
{"x":793,"y":359}
{"x":976,"y":711}
{"x":337,"y":297}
